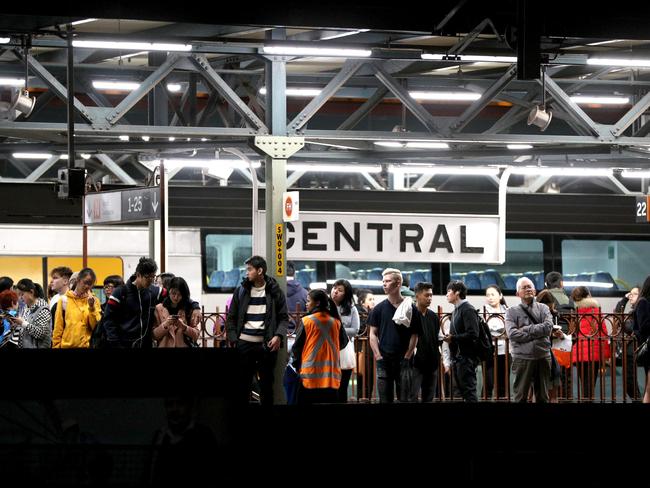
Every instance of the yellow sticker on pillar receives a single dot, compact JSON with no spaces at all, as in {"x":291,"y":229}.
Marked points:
{"x":279,"y":250}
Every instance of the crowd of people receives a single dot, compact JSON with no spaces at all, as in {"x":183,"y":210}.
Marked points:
{"x":136,"y":313}
{"x":408,"y":344}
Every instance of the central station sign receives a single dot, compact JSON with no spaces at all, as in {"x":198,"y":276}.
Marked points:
{"x":346,"y":236}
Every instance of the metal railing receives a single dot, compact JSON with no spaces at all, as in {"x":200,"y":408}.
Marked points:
{"x":602,"y":367}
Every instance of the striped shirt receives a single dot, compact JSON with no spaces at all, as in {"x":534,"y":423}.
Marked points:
{"x":254,"y":326}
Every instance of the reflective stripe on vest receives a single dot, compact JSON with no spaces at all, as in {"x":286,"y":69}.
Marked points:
{"x":320,"y":368}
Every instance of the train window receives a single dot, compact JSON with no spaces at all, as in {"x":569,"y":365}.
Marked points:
{"x":224,"y":259}
{"x":524,"y":257}
{"x":604,"y":266}
{"x":367,"y":274}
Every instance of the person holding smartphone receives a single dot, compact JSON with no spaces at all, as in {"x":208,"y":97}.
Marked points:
{"x":176,"y":319}
{"x":77,"y":314}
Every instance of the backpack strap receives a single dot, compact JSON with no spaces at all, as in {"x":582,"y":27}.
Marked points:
{"x":530,"y":316}
{"x":64,"y":304}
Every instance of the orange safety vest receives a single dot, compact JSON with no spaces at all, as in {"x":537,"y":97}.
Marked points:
{"x":319,"y":366}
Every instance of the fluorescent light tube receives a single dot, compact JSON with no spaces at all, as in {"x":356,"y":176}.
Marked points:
{"x":334,"y":168}
{"x":83,"y":155}
{"x":561,"y":171}
{"x":470,"y":58}
{"x":316,"y":51}
{"x":116,"y":85}
{"x":124,"y":138}
{"x":174,"y":163}
{"x":635,"y":174}
{"x":297,"y":92}
{"x":388,"y":144}
{"x":12,"y":82}
{"x":4,"y":40}
{"x":146,"y":138}
{"x":84,"y":21}
{"x":132,"y":46}
{"x":445,"y":170}
{"x":172,"y":139}
{"x":632,"y":63}
{"x":174,"y":87}
{"x":516,"y":147}
{"x":446,"y":96}
{"x":601,"y":100}
{"x":344,"y":34}
{"x":32,"y":155}
{"x":427,"y":145}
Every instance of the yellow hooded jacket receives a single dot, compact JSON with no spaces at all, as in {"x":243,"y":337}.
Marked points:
{"x":77,"y":327}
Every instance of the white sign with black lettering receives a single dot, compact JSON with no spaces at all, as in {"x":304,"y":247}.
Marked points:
{"x":344,"y":236}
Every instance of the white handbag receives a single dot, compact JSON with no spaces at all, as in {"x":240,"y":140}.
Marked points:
{"x":347,"y":356}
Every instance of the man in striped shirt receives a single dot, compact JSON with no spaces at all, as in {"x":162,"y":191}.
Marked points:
{"x":256,"y":325}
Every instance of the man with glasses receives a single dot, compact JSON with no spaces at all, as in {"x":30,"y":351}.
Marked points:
{"x":110,"y":283}
{"x":130,"y":308}
{"x":529,"y":330}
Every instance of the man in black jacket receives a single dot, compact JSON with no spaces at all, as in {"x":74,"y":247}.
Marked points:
{"x":427,"y":356}
{"x":256,"y":325}
{"x":462,"y":337}
{"x":130,"y":309}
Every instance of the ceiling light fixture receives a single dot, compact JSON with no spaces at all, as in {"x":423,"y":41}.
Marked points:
{"x":19,"y":155}
{"x":470,"y":58}
{"x":124,"y":138}
{"x":343,"y":34}
{"x":5,"y":40}
{"x":334,"y":168}
{"x":516,"y":147}
{"x":445,"y":96}
{"x":601,"y":100}
{"x":316,"y":51}
{"x":427,"y":145}
{"x":445,"y":170}
{"x":132,"y":46}
{"x":116,"y":85}
{"x":560,"y":171}
{"x":388,"y":144}
{"x":539,"y":116}
{"x":83,"y":21}
{"x":12,"y":82}
{"x":297,"y":92}
{"x":627,"y":173}
{"x":180,"y":163}
{"x":630,"y":63}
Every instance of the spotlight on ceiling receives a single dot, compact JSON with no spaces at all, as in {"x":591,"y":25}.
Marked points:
{"x":540,"y":116}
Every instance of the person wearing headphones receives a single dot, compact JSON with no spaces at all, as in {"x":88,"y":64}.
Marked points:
{"x":130,"y":312}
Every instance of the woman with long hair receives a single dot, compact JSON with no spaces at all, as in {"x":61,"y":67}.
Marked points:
{"x":176,"y":322}
{"x":496,"y":304}
{"x":341,"y":294}
{"x":77,"y":313}
{"x":319,"y":340}
{"x":642,"y":330}
{"x":592,"y":348}
{"x":35,"y":324}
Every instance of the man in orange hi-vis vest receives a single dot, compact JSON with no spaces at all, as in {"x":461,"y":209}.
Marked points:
{"x":319,"y":340}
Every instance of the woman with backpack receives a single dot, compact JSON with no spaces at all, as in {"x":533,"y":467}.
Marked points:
{"x":77,"y":313}
{"x":176,"y":321}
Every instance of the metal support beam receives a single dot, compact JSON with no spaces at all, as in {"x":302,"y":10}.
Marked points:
{"x":414,"y":107}
{"x":572,"y":108}
{"x":293,"y":178}
{"x":53,"y":84}
{"x":461,"y":45}
{"x":373,"y":182}
{"x":227,"y":93}
{"x":421,"y":182}
{"x":633,"y":114}
{"x":42,"y":169}
{"x":19,"y":165}
{"x":114,"y":168}
{"x":364,"y":109}
{"x":350,"y":67}
{"x":208,"y":110}
{"x":145,"y":87}
{"x":475,"y":108}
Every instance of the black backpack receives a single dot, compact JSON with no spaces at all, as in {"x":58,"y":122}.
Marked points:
{"x":484,"y":344}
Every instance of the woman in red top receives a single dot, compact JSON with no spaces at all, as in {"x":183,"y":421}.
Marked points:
{"x":592,"y":347}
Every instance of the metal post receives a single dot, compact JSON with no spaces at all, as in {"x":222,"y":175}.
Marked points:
{"x":70,"y":76}
{"x":163,"y":217}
